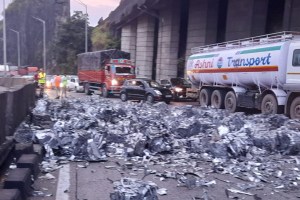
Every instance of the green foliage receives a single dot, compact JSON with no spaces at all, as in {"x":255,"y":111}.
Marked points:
{"x":102,"y":39}
{"x":70,"y":42}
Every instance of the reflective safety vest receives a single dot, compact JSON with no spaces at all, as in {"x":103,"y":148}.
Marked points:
{"x":42,"y":77}
{"x":64,"y":81}
{"x":57,"y":81}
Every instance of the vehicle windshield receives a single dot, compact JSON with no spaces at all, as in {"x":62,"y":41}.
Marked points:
{"x":179,"y":81}
{"x":124,"y":70}
{"x":153,"y":84}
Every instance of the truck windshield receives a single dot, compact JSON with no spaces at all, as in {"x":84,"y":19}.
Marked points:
{"x":179,"y":81}
{"x":124,"y":70}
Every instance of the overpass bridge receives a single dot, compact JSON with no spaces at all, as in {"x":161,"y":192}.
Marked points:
{"x":159,"y":34}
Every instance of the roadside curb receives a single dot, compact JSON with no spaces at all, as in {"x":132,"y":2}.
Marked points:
{"x":18,"y":181}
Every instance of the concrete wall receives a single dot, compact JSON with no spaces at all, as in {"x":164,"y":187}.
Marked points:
{"x":145,"y":45}
{"x":15,"y":101}
{"x":291,"y":15}
{"x":3,"y":99}
{"x":128,"y":40}
{"x":202,"y":23}
{"x":168,"y":41}
{"x":246,"y":18}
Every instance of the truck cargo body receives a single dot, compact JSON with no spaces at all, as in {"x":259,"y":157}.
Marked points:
{"x":104,"y":71}
{"x":261,"y":72}
{"x":28,"y":70}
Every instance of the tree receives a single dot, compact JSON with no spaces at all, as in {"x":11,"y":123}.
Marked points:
{"x":102,"y":39}
{"x":70,"y":41}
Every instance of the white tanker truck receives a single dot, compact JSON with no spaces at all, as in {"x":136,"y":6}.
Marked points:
{"x":260,"y":72}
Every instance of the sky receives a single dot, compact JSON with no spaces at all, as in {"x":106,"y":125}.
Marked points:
{"x":96,"y":8}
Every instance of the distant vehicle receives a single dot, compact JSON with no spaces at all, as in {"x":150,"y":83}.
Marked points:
{"x":73,"y":84}
{"x":145,"y":89}
{"x":13,"y":70}
{"x":28,"y":70}
{"x":180,"y":87}
{"x":4,"y":70}
{"x":50,"y":82}
{"x":104,"y":71}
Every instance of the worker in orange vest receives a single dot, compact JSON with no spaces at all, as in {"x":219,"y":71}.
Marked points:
{"x":57,"y":81}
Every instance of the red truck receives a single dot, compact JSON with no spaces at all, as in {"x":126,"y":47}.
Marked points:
{"x":104,"y":71}
{"x":28,"y":70}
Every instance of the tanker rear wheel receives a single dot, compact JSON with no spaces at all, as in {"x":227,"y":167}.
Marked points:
{"x":230,"y":102}
{"x":217,"y":99}
{"x":295,"y":108}
{"x":269,"y":105}
{"x":204,"y":97}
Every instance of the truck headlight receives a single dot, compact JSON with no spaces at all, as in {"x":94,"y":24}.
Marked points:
{"x":157,"y":92}
{"x":178,"y":89}
{"x":114,"y":82}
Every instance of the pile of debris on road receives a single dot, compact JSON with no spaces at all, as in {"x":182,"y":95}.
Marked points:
{"x":93,"y":129}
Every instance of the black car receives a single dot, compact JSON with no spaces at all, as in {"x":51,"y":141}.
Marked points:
{"x":144,"y":89}
{"x":179,"y":87}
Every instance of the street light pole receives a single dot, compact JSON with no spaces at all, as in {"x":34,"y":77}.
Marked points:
{"x":4,"y":39}
{"x":44,"y":40}
{"x":18,"y":41}
{"x":86,"y":25}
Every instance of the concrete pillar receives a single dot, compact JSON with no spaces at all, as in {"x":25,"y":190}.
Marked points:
{"x":202,"y":23}
{"x":145,"y":45}
{"x":246,"y":18}
{"x":128,"y":40}
{"x":291,"y":20}
{"x":168,"y":41}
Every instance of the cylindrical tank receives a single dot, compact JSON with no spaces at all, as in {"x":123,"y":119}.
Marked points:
{"x":263,"y":65}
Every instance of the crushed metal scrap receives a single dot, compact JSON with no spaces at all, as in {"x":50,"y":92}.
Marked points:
{"x":253,"y":148}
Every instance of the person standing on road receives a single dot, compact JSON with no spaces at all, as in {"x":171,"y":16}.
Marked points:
{"x":36,"y":79}
{"x":57,"y":81}
{"x":64,"y":82}
{"x":42,"y":81}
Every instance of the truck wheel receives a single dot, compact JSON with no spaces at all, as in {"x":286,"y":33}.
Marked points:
{"x":204,"y":97}
{"x":150,"y":98}
{"x":217,"y":99}
{"x":123,"y":96}
{"x":295,"y":108}
{"x":104,"y":91}
{"x":269,"y":105}
{"x":230,"y":102}
{"x":87,"y":89}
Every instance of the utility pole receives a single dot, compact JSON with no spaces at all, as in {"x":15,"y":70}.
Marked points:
{"x":44,"y":40}
{"x":18,"y":41}
{"x":4,"y":39}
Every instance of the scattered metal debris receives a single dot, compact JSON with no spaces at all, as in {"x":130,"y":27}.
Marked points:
{"x":251,"y":148}
{"x":134,"y":189}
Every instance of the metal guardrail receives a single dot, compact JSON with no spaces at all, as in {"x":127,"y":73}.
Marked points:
{"x":262,"y":39}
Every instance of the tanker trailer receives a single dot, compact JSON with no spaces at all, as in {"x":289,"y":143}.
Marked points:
{"x":261,"y":72}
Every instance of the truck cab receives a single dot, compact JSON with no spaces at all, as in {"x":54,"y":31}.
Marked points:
{"x":116,"y":72}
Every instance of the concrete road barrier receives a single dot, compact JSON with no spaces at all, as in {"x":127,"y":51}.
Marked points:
{"x":17,"y":96}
